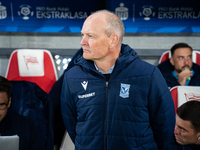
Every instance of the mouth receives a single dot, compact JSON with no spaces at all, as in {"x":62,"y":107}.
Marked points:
{"x":186,"y":67}
{"x":177,"y":139}
{"x":85,"y":51}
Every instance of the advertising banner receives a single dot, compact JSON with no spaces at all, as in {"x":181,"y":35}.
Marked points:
{"x":144,"y":16}
{"x":44,"y":15}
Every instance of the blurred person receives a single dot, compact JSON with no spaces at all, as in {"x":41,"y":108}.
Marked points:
{"x":111,"y":99}
{"x":187,"y":128}
{"x":54,"y":96}
{"x":180,"y":69}
{"x":15,"y":124}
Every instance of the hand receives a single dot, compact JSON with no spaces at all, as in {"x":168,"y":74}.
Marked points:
{"x":182,"y":77}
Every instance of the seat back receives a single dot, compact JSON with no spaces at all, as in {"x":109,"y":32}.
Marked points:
{"x":167,"y":54}
{"x":33,"y":65}
{"x":182,"y":94}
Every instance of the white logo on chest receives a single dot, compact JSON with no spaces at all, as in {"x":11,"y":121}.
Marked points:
{"x":84,"y":84}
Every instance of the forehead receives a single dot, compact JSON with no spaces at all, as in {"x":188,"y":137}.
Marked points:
{"x":94,"y":24}
{"x":184,"y":123}
{"x":183,"y":52}
{"x":3,"y":97}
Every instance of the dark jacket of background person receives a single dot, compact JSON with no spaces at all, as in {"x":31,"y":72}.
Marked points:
{"x":99,"y":118}
{"x":166,"y":69}
{"x":176,"y":146}
{"x":29,"y":100}
{"x":25,"y":128}
{"x":54,"y":96}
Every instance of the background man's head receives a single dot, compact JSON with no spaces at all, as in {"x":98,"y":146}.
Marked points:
{"x":181,"y":57}
{"x":187,"y":129}
{"x":5,"y":97}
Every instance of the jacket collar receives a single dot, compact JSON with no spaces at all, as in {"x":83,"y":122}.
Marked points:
{"x":126,"y":57}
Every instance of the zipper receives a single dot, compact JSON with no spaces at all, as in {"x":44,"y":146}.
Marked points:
{"x":105,"y":117}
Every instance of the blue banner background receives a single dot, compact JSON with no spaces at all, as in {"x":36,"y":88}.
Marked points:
{"x":159,"y":17}
{"x":68,"y":16}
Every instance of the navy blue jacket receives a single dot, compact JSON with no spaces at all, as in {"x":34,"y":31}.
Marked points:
{"x":25,"y":128}
{"x":176,"y":146}
{"x":29,"y":100}
{"x":54,"y":96}
{"x":166,"y":69}
{"x":132,"y":110}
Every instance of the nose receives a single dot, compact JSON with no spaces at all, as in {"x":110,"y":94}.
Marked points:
{"x":84,"y":40}
{"x":186,"y":61}
{"x":176,"y":130}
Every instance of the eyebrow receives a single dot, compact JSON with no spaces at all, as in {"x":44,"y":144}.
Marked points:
{"x":182,"y":128}
{"x":184,"y":56}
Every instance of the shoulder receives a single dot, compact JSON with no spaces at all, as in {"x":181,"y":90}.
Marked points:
{"x":196,"y":67}
{"x":140,"y":68}
{"x":165,"y":63}
{"x":165,"y":66}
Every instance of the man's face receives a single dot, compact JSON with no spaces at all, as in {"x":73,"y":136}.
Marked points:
{"x":3,"y":102}
{"x":95,"y":42}
{"x":181,"y":59}
{"x":184,"y":132}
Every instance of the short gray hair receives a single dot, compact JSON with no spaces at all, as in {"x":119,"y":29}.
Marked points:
{"x":115,"y":25}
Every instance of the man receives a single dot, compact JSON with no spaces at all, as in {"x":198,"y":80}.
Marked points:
{"x":179,"y":69}
{"x":187,"y":129}
{"x":14,"y":124}
{"x":111,"y":99}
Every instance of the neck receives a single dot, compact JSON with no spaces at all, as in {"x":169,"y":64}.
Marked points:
{"x":105,"y":64}
{"x":177,"y":73}
{"x":104,"y":67}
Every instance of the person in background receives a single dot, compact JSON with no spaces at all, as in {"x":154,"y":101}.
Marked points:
{"x":54,"y":96}
{"x":180,"y":69}
{"x":15,"y":124}
{"x":187,"y":128}
{"x":110,"y":99}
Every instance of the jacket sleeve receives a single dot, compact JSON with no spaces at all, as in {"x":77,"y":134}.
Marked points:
{"x":161,"y":111}
{"x":68,"y":109}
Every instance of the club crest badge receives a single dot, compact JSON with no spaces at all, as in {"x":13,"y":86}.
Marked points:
{"x":124,"y":92}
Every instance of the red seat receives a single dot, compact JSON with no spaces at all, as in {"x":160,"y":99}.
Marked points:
{"x":182,"y":94}
{"x":33,"y":65}
{"x":167,"y":54}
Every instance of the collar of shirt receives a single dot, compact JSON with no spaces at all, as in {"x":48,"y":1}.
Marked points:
{"x":175,"y":75}
{"x":109,"y":71}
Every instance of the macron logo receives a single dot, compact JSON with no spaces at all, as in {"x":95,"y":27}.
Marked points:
{"x":84,"y":84}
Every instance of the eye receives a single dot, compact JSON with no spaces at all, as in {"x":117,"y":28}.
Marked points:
{"x":189,"y":57}
{"x":182,"y":129}
{"x":90,"y":36}
{"x":180,"y":57}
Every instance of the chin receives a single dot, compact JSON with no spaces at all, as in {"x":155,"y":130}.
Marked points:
{"x":85,"y":56}
{"x":179,"y":142}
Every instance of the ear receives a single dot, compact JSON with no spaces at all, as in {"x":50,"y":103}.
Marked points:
{"x":9,"y":104}
{"x":198,"y":135}
{"x":114,"y":40}
{"x":171,"y":61}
